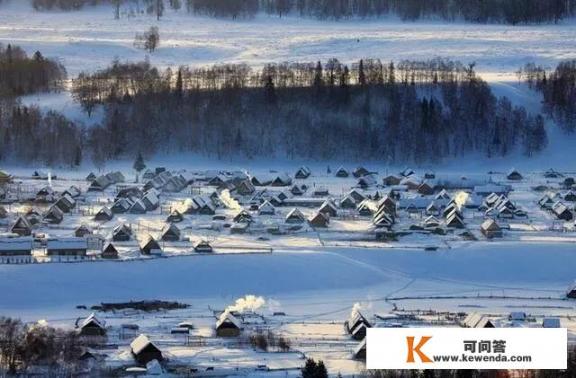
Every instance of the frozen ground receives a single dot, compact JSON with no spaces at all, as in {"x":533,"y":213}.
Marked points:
{"x":91,"y":38}
{"x":298,"y":278}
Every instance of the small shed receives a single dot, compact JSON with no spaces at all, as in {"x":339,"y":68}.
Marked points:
{"x":22,"y":227}
{"x":514,"y":175}
{"x":342,"y":173}
{"x":145,"y":350}
{"x":490,"y":229}
{"x":104,"y":215}
{"x":303,"y":173}
{"x":82,"y":231}
{"x":150,"y":247}
{"x":228,"y":325}
{"x":203,"y":246}
{"x":328,"y":208}
{"x":266,"y":208}
{"x":171,"y":233}
{"x":91,"y":326}
{"x":109,"y":252}
{"x":122,"y":232}
{"x":295,"y":216}
{"x":76,"y":247}
{"x":319,"y":220}
{"x":175,"y":217}
{"x":54,"y":215}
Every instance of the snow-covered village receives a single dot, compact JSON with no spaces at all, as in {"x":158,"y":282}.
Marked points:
{"x":243,"y":188}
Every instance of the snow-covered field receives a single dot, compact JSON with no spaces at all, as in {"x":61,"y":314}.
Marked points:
{"x":313,"y":277}
{"x":92,"y":38}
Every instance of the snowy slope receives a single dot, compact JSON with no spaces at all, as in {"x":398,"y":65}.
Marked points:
{"x":91,"y":38}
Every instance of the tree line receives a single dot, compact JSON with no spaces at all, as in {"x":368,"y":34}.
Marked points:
{"x":481,"y":11}
{"x":23,"y":346}
{"x":558,"y":88}
{"x":411,"y":111}
{"x":21,"y":75}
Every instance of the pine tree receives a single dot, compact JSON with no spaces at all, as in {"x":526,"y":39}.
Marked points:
{"x":139,"y":165}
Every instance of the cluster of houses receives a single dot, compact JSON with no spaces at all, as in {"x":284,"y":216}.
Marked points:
{"x":277,"y":203}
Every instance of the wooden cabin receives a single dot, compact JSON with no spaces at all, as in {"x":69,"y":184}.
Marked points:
{"x":109,"y":252}
{"x":143,"y":350}
{"x":150,"y":247}
{"x":21,"y":227}
{"x":104,"y":215}
{"x":319,"y":220}
{"x":76,"y":247}
{"x":171,"y":233}
{"x":91,"y":326}
{"x":16,"y":250}
{"x":228,"y":325}
{"x":490,"y":229}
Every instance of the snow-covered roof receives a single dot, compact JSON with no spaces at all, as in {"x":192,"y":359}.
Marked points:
{"x":67,"y":243}
{"x":140,"y":343}
{"x":227,"y":318}
{"x":16,"y":244}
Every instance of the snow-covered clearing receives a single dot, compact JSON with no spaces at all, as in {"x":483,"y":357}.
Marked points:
{"x":91,"y":38}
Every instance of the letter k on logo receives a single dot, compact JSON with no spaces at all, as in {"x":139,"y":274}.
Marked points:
{"x":417,"y":349}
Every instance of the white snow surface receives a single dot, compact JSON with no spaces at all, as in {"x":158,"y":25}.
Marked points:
{"x":91,"y":38}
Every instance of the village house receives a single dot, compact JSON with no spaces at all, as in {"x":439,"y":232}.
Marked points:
{"x":360,"y":172}
{"x":122,"y":233}
{"x":115,"y":177}
{"x":282,"y":180}
{"x":359,"y":332}
{"x":203,"y":246}
{"x":490,"y":229}
{"x":360,"y":351}
{"x":433,"y":209}
{"x":21,"y":227}
{"x":54,"y":215}
{"x":514,"y":175}
{"x":66,"y":203}
{"x":150,"y":247}
{"x":33,"y":216}
{"x":175,"y":217}
{"x":171,"y":233}
{"x":109,"y":252}
{"x":552,"y":173}
{"x":562,"y":211}
{"x":348,"y":202}
{"x":16,"y":250}
{"x":425,"y":189}
{"x":104,"y":215}
{"x":82,"y":231}
{"x":367,"y":207}
{"x":571,"y":292}
{"x":243,"y":217}
{"x":261,"y":180}
{"x":91,"y":326}
{"x":296,"y":190}
{"x":71,"y":247}
{"x":328,"y":208}
{"x":266,"y":208}
{"x":245,"y":188}
{"x":342,"y":173}
{"x":367,"y":181}
{"x":228,"y":325}
{"x":295,"y":216}
{"x":138,"y":207}
{"x":99,"y":184}
{"x":303,"y":173}
{"x":150,"y":200}
{"x":73,"y":191}
{"x":122,"y":206}
{"x":391,"y":180}
{"x":431,"y":222}
{"x":477,"y":320}
{"x":454,"y":220}
{"x":45,"y":195}
{"x":5,"y":178}
{"x":143,"y":350}
{"x":319,"y":220}
{"x":570,"y":196}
